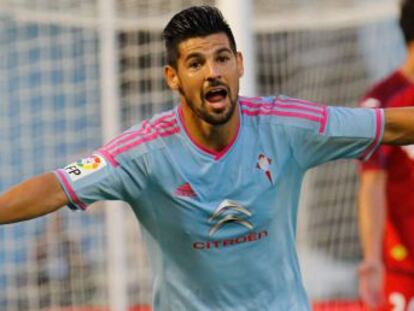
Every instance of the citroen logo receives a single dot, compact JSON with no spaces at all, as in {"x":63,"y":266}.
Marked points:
{"x":229,"y":211}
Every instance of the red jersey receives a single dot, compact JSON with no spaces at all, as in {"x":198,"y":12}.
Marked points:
{"x":379,"y":96}
{"x":398,"y":162}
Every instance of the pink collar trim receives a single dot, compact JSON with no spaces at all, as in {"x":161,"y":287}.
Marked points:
{"x":216,"y":154}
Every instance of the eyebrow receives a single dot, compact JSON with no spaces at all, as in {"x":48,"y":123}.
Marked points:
{"x":225,"y":49}
{"x":193,"y":55}
{"x":200,"y":55}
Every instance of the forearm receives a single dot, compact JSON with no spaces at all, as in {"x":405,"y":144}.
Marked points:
{"x":32,"y":198}
{"x":372,"y":211}
{"x":399,"y":126}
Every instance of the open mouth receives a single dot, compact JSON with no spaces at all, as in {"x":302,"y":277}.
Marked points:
{"x":216,"y":95}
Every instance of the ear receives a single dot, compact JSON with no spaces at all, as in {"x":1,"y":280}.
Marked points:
{"x":171,"y":77}
{"x":240,"y":64}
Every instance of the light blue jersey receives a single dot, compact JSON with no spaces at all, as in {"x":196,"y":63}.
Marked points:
{"x":220,"y":227}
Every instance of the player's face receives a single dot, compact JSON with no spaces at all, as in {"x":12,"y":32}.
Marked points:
{"x":207,"y":77}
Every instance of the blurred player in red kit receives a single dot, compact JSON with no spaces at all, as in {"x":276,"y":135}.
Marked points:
{"x":386,"y":198}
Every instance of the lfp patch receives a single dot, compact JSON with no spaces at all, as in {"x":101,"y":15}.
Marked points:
{"x":85,"y":167}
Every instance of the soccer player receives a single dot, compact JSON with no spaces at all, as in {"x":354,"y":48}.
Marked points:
{"x":386,"y":202}
{"x":215,"y":182}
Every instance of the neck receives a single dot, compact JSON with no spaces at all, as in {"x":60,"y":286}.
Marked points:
{"x":408,"y":66}
{"x":212,"y":137}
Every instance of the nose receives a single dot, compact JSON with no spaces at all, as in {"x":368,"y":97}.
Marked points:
{"x":213,"y":71}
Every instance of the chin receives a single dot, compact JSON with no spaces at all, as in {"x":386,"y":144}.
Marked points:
{"x":219,"y":118}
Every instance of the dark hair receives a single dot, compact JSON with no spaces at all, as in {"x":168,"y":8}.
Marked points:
{"x":407,"y":20}
{"x":195,"y":21}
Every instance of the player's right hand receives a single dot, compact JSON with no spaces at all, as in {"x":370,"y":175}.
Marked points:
{"x":371,"y":284}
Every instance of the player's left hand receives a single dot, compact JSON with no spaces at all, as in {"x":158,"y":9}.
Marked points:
{"x":371,"y":280}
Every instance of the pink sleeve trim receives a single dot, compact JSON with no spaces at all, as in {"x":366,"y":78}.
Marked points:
{"x":111,"y":159}
{"x":379,"y":132}
{"x":69,"y":190}
{"x":324,"y":121}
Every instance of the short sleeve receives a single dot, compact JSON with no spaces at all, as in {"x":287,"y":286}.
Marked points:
{"x":95,"y":179}
{"x":377,"y":159}
{"x":349,"y":133}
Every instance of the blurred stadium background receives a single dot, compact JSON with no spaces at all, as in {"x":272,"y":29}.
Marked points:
{"x":62,"y":79}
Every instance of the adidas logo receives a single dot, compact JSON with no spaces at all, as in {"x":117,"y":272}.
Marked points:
{"x":185,"y":191}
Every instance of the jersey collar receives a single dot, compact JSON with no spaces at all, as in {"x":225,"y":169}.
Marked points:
{"x":217,"y":155}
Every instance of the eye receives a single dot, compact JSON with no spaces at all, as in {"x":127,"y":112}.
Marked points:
{"x":223,"y":58}
{"x":194,"y":64}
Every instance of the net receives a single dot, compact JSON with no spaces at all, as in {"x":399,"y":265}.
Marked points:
{"x":50,"y":115}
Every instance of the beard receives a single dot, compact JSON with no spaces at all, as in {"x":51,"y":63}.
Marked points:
{"x":213,"y":118}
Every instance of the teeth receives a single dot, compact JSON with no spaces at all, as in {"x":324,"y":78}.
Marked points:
{"x":216,"y":91}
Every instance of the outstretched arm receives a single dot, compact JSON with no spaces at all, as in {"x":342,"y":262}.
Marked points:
{"x":32,"y":198}
{"x":399,"y":126}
